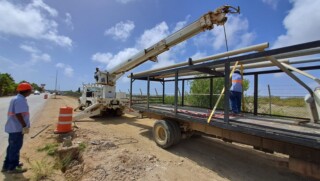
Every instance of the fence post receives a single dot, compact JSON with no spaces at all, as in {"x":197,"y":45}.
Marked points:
{"x":163,"y":90}
{"x":176,"y":93}
{"x":255,"y":95}
{"x":156,"y":91}
{"x":182,"y":97}
{"x":269,"y":99}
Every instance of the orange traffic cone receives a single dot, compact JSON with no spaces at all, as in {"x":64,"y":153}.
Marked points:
{"x":65,"y":120}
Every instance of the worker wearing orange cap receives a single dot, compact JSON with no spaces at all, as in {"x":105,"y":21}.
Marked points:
{"x":17,"y":125}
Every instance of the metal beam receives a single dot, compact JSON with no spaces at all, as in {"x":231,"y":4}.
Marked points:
{"x":182,"y":94}
{"x":211,"y":92}
{"x":227,"y":91}
{"x":280,"y":53}
{"x":131,"y":82}
{"x":209,"y":71}
{"x":258,"y":47}
{"x":148,"y":93}
{"x":176,"y":93}
{"x":255,"y":95}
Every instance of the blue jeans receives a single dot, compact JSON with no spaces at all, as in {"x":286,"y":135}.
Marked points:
{"x":235,"y":100}
{"x":13,"y":151}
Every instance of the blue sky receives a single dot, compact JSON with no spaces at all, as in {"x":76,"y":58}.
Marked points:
{"x":40,"y":37}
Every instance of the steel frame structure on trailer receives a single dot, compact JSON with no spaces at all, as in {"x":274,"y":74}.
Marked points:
{"x":303,"y":148}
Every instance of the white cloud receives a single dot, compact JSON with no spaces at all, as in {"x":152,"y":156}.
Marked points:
{"x":68,"y":21}
{"x":198,"y":55}
{"x":125,"y":79}
{"x":36,"y":54}
{"x":60,"y":65}
{"x":181,"y":24}
{"x":67,"y":69}
{"x":124,"y":1}
{"x":272,"y":3}
{"x":29,"y":48}
{"x":153,"y":35}
{"x":114,"y":60}
{"x":41,"y":4}
{"x":147,"y":39}
{"x":301,"y":23}
{"x":165,"y":59}
{"x":238,"y":35}
{"x":102,"y":57}
{"x":31,"y":22}
{"x":40,"y":57}
{"x":7,"y":64}
{"x":121,"y":31}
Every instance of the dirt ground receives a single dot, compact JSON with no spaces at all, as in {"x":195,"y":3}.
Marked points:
{"x":121,"y":148}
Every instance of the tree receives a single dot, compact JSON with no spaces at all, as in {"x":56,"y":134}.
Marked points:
{"x":36,"y":87}
{"x":7,"y":84}
{"x":200,"y":91}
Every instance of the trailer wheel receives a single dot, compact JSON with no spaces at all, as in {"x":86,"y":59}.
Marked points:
{"x":176,"y":131}
{"x":163,"y":133}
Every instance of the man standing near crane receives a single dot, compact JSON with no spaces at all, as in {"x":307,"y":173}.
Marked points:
{"x":236,"y":92}
{"x":96,"y":74}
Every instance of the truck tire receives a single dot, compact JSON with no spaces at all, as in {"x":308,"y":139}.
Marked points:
{"x":163,"y":133}
{"x":177,"y":131}
{"x":88,"y":104}
{"x":118,"y":112}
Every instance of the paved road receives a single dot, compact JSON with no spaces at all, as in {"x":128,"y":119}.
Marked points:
{"x":36,"y":103}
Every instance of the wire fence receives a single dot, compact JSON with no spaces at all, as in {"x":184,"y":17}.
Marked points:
{"x":288,"y":106}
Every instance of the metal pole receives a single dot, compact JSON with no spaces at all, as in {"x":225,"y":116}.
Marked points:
{"x":131,"y":82}
{"x":176,"y":93}
{"x":163,"y":90}
{"x":255,"y":95}
{"x":258,"y":47}
{"x":227,"y":91}
{"x":55,"y":88}
{"x":155,"y":89}
{"x":182,"y":96}
{"x":148,"y":93}
{"x":211,"y":92}
{"x":269,"y":99}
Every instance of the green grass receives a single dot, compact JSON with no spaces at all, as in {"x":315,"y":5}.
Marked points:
{"x":50,"y":148}
{"x":41,"y":170}
{"x":290,"y":102}
{"x":82,"y":146}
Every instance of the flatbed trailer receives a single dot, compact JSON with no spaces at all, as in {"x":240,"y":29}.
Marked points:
{"x":295,"y":137}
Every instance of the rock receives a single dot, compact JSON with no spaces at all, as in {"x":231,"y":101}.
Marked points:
{"x":95,"y":142}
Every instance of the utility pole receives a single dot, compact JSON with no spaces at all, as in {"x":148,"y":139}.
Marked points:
{"x":55,"y":87}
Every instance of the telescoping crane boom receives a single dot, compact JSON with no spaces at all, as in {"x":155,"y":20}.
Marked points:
{"x":105,"y":98}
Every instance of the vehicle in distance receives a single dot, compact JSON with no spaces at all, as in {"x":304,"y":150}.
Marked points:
{"x":36,"y":92}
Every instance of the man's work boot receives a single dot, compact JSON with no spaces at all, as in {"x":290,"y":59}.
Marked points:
{"x":17,"y":170}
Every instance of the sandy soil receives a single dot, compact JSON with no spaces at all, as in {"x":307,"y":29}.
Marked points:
{"x":121,"y":148}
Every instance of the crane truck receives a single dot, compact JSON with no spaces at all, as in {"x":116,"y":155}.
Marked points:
{"x":101,"y":97}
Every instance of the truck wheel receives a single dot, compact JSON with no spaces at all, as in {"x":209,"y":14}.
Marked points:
{"x":163,"y":133}
{"x":118,"y":112}
{"x":88,"y":104}
{"x":177,"y":131}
